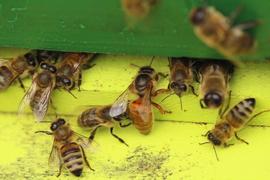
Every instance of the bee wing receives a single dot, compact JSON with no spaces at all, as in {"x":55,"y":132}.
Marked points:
{"x":120,"y":105}
{"x":4,"y":62}
{"x":83,"y":141}
{"x":54,"y":161}
{"x":27,"y":97}
{"x":42,"y":107}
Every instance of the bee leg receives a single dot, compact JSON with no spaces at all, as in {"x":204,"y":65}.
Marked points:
{"x":206,"y":134}
{"x":160,"y":91}
{"x":161,"y":110}
{"x":222,"y":111}
{"x":92,"y":135}
{"x":227,"y":145}
{"x":193,"y":90}
{"x":85,"y":159}
{"x":60,"y":170}
{"x":80,"y":80}
{"x":54,"y":108}
{"x":248,"y":25}
{"x":124,"y":125}
{"x":45,"y":132}
{"x":21,"y":84}
{"x":202,"y":104}
{"x":117,"y":137}
{"x":87,"y":66}
{"x":240,"y":139}
{"x":162,"y":74}
{"x":233,"y":15}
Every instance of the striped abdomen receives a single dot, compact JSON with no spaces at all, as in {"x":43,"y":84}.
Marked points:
{"x":72,"y":158}
{"x":6,"y":77}
{"x":141,"y":116}
{"x":88,"y":118}
{"x":239,"y":115}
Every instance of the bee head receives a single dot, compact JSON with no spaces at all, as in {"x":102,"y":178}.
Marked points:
{"x":213,"y":139}
{"x":178,"y":87}
{"x":58,"y":123}
{"x":65,"y":81}
{"x":30,"y":59}
{"x":198,"y":15}
{"x":213,"y":100}
{"x":48,"y":67}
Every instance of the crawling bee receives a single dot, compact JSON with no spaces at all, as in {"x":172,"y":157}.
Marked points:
{"x":214,"y":77}
{"x":67,"y":149}
{"x":217,"y":31}
{"x":97,"y":117}
{"x":69,"y":71}
{"x":140,"y":109}
{"x":21,"y":66}
{"x":38,"y":95}
{"x":137,"y":8}
{"x":181,"y":76}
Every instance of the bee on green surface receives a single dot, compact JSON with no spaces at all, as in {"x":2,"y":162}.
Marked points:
{"x":218,"y":31}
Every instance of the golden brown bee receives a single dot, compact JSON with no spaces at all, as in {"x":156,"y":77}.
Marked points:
{"x":97,"y":117}
{"x":217,"y":31}
{"x":137,"y":8}
{"x":67,"y":149}
{"x":140,"y":110}
{"x":181,"y":76}
{"x":229,"y":124}
{"x":14,"y":69}
{"x":69,"y":71}
{"x":38,"y":95}
{"x":214,"y":79}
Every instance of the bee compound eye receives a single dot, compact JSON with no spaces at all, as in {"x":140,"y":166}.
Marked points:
{"x":198,"y":16}
{"x":54,"y":126}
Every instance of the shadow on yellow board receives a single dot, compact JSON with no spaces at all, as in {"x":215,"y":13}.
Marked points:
{"x":171,"y":151}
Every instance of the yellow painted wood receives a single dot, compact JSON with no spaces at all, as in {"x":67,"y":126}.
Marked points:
{"x":171,"y":151}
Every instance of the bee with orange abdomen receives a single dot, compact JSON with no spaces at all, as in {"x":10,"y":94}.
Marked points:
{"x":218,"y":31}
{"x":67,"y":149}
{"x":181,"y":76}
{"x":140,"y":109}
{"x":38,"y":95}
{"x":137,"y":8}
{"x":214,"y":77}
{"x":69,"y":71}
{"x":97,"y":117}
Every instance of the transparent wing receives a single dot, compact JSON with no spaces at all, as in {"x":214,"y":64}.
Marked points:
{"x":27,"y":98}
{"x":84,"y":141}
{"x":54,"y":161}
{"x":41,"y":108}
{"x":120,"y":105}
{"x":5,"y":62}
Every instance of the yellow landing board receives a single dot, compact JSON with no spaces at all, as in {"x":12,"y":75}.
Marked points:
{"x":171,"y":151}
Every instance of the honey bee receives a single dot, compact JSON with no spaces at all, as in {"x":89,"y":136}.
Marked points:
{"x":69,"y":71}
{"x":21,"y":66}
{"x":38,"y":95}
{"x":67,"y":149}
{"x":181,"y":77}
{"x":11,"y":70}
{"x":137,"y":8}
{"x":218,"y":31}
{"x":140,"y":110}
{"x":97,"y":117}
{"x":214,"y":77}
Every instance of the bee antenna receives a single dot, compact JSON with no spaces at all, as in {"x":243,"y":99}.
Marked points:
{"x":151,"y":62}
{"x":70,"y":93}
{"x":215,"y":152}
{"x":167,"y":97}
{"x":204,"y":143}
{"x":181,"y":104}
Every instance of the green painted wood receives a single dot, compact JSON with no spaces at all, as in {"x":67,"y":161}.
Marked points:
{"x":98,"y":26}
